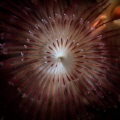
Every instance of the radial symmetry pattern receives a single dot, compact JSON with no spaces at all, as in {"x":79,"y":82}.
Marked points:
{"x":58,"y":58}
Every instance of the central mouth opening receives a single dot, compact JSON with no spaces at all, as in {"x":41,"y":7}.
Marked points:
{"x":60,"y":56}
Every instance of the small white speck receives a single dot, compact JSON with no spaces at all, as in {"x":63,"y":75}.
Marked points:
{"x":25,"y":46}
{"x":11,"y":83}
{"x":73,"y":41}
{"x":93,"y":28}
{"x":81,"y":21}
{"x":77,"y":44}
{"x":36,"y":26}
{"x":22,"y":59}
{"x":28,"y":40}
{"x":44,"y":21}
{"x":31,"y":32}
{"x":22,"y":54}
{"x":51,"y":19}
{"x":99,"y":37}
{"x":73,"y":17}
{"x":24,"y":95}
{"x":58,"y":16}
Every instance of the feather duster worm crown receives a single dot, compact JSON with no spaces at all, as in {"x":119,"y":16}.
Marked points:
{"x":58,"y":58}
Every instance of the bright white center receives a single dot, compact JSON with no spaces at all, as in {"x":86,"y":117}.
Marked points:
{"x":60,"y":55}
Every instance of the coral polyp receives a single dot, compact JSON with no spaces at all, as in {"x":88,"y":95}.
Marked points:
{"x":58,"y":58}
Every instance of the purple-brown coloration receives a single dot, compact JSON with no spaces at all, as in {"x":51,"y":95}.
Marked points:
{"x":58,"y":58}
